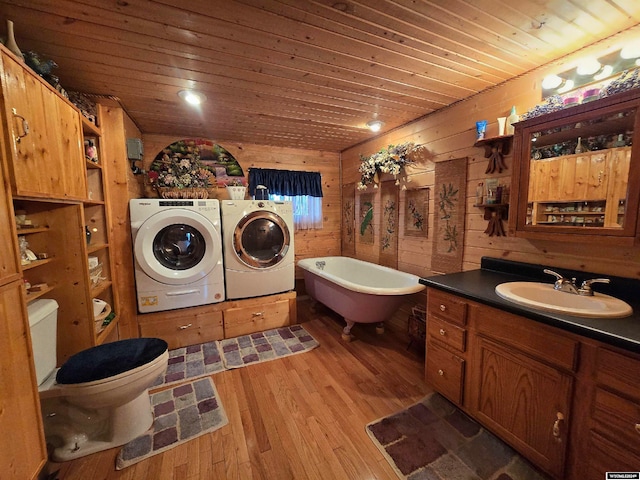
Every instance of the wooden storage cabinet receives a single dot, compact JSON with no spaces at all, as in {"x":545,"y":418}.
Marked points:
{"x":614,"y":438}
{"x":561,"y":193}
{"x":204,"y":326}
{"x":216,"y":321}
{"x":44,"y":137}
{"x":446,"y":344}
{"x":445,"y":371}
{"x":22,"y":449}
{"x":254,"y":315}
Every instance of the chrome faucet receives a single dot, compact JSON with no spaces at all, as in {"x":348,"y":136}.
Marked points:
{"x":321,"y":264}
{"x":563,"y":284}
{"x":569,"y":285}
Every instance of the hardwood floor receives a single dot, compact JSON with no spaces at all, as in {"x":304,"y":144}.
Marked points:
{"x":300,"y":417}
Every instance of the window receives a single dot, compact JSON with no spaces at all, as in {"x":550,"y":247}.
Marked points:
{"x":302,"y":189}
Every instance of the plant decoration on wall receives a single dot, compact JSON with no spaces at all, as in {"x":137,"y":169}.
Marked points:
{"x":389,"y":225}
{"x":448,"y":200}
{"x":448,"y":222}
{"x":416,"y":212}
{"x":366,"y":218}
{"x":391,"y":160}
{"x":192,"y":167}
{"x":348,"y":219}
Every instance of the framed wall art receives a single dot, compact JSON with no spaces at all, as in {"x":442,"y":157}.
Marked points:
{"x":416,"y":213}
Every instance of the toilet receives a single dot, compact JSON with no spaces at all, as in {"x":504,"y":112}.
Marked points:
{"x":98,"y":399}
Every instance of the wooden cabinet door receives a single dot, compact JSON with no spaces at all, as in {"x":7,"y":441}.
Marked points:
{"x":524,"y":401}
{"x":22,"y":446}
{"x":47,"y":156}
{"x":9,"y":261}
{"x":68,"y":147}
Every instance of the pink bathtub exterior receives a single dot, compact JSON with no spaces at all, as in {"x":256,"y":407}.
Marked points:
{"x":362,"y":292}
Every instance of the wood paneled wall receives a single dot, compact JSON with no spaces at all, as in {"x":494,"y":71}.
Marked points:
{"x":308,"y":243}
{"x":450,"y":133}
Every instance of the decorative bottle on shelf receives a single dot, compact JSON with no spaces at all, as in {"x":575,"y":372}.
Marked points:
{"x":10,"y":42}
{"x":579,"y":147}
{"x":479,"y":193}
{"x":511,"y":119}
{"x":87,"y":234}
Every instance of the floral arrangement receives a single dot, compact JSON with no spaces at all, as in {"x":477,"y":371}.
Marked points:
{"x":179,"y":167}
{"x":235,"y":182}
{"x":391,"y":160}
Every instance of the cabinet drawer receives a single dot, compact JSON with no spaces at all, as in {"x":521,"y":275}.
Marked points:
{"x":617,"y":371}
{"x":545,"y":343}
{"x":618,"y":418}
{"x":446,"y":306}
{"x":180,"y":332}
{"x":448,"y":333}
{"x":256,"y":318}
{"x":445,"y":372}
{"x":605,"y":456}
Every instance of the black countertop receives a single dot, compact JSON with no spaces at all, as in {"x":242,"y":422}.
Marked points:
{"x":479,"y":285}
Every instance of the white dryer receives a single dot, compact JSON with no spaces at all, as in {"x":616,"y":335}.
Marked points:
{"x":177,"y":245}
{"x":258,"y":247}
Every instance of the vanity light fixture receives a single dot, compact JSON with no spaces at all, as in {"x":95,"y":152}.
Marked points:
{"x":588,"y":66}
{"x":551,"y":81}
{"x":375,"y":125}
{"x":631,"y":50}
{"x":593,"y":69}
{"x":192,"y":97}
{"x":604,"y":72}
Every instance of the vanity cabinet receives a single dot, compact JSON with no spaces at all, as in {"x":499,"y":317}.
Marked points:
{"x":614,"y":437}
{"x":446,"y":344}
{"x":522,"y":384}
{"x":44,"y":136}
{"x":572,"y":172}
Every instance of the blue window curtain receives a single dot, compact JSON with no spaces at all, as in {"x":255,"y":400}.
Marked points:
{"x":286,"y":182}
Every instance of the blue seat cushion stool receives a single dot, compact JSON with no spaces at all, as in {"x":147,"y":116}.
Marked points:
{"x":110,"y":359}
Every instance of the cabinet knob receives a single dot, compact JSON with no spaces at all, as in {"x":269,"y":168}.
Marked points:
{"x":257,"y":314}
{"x":637,"y":427}
{"x":556,"y":427}
{"x":443,"y":307}
{"x":442,"y":332}
{"x":184,"y":327}
{"x":441,"y":372}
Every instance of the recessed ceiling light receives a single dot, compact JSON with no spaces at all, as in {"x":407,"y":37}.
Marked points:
{"x":192,"y":97}
{"x":375,"y":125}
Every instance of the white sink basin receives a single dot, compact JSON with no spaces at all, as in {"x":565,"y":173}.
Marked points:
{"x":544,"y":297}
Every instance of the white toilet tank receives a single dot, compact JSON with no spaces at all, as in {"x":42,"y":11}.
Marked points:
{"x":43,"y":322}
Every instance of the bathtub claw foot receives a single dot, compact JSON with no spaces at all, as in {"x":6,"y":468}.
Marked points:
{"x":380,"y":328}
{"x":346,"y":331}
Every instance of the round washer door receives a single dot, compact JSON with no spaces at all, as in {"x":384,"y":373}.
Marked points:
{"x":177,"y":247}
{"x":261,"y":239}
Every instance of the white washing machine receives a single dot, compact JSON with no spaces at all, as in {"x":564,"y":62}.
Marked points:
{"x":258,"y":247}
{"x":177,"y":245}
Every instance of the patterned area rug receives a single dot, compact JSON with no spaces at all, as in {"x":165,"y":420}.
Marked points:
{"x":180,"y":413}
{"x":204,"y":359}
{"x":434,"y":440}
{"x":263,"y":346}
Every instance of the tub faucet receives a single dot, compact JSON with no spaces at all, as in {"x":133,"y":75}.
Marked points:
{"x":320,"y":264}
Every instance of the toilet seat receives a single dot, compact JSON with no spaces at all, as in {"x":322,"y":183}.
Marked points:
{"x":109,"y":360}
{"x":134,"y":358}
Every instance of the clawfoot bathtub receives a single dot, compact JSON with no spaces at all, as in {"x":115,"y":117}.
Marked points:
{"x":362,"y":292}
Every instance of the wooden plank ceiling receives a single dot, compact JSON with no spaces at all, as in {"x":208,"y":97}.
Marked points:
{"x":302,"y":73}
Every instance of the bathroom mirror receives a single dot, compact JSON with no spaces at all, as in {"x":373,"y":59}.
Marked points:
{"x":573,"y":169}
